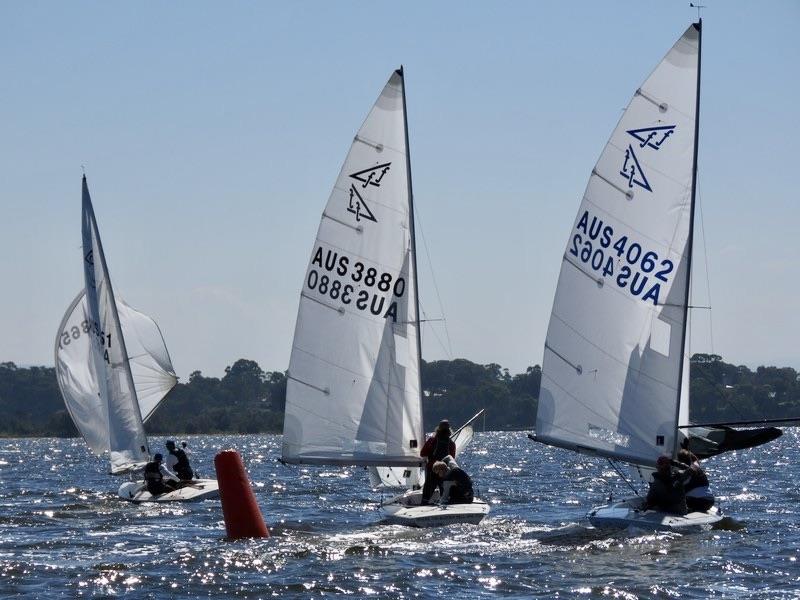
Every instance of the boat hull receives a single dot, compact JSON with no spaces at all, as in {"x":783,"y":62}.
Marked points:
{"x":629,"y":513}
{"x":407,"y":509}
{"x":198,"y":489}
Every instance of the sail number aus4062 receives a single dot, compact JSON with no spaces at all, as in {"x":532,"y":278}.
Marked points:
{"x":628,"y":263}
{"x":76,"y":331}
{"x":338,"y":277}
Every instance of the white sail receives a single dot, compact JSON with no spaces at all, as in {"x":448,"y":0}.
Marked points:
{"x":353,"y":392}
{"x":614,"y":349}
{"x":150,"y":363}
{"x":119,"y":405}
{"x":151,"y":367}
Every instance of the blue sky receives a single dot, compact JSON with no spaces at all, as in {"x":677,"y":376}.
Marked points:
{"x":212,"y":133}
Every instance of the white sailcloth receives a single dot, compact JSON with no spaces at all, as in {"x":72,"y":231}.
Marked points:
{"x":614,"y":348}
{"x":353,"y":392}
{"x":127,"y":442}
{"x":151,"y":367}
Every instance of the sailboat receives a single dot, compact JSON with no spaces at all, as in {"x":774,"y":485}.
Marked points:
{"x":113,"y":370}
{"x":353,"y":392}
{"x":615,"y":372}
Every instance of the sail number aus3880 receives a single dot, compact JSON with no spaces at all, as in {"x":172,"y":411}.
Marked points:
{"x":596,"y":247}
{"x":342,"y":279}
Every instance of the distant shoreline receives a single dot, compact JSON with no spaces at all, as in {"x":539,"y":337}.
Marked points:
{"x":249,"y":400}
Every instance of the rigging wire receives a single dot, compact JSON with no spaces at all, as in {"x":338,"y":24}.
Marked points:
{"x":425,"y":320}
{"x":735,"y":408}
{"x":708,"y":275}
{"x":625,"y":479}
{"x":449,"y":348}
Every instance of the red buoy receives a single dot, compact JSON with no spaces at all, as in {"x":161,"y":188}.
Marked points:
{"x":239,"y":507}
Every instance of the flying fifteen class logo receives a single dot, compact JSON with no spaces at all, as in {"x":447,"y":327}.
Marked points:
{"x":652,"y":138}
{"x":365,"y":178}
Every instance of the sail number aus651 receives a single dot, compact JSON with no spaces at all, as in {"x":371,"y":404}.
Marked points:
{"x":597,"y":247}
{"x":76,"y":331}
{"x":341,"y":279}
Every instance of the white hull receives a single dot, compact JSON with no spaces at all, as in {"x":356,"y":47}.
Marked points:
{"x":628,"y":513}
{"x":198,"y":489}
{"x":406,"y":509}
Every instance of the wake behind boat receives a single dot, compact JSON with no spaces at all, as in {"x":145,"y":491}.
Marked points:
{"x":354,"y":395}
{"x":113,"y":370}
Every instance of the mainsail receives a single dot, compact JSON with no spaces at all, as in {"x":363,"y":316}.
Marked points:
{"x":151,"y":367}
{"x":353,"y":390}
{"x":614,"y":362}
{"x":118,"y":403}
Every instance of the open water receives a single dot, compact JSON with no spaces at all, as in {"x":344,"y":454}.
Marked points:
{"x":64,"y":533}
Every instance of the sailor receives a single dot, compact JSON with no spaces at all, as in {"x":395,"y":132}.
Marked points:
{"x":455,"y":481}
{"x":666,"y":490}
{"x":435,"y":449}
{"x":178,"y":462}
{"x":158,"y":478}
{"x":695,"y":482}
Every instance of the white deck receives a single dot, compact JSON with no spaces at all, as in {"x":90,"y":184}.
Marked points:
{"x":629,"y":513}
{"x":406,"y":509}
{"x":196,"y":490}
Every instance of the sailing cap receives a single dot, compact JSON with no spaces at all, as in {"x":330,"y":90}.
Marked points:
{"x":170,"y":444}
{"x":157,"y":457}
{"x":663,"y":462}
{"x":444,"y":424}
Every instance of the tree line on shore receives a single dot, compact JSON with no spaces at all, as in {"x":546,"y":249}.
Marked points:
{"x":248,"y":399}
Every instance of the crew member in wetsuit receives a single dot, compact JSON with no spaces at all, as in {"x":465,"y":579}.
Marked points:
{"x":435,"y":449}
{"x":178,"y":462}
{"x":695,"y":482}
{"x":666,"y":490}
{"x":158,"y":478}
{"x":455,"y":481}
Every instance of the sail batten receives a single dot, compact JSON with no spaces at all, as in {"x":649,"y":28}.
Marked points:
{"x":353,"y":391}
{"x":614,"y":351}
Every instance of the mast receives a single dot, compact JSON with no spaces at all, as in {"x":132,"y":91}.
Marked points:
{"x":690,"y":240}
{"x":413,"y":242}
{"x":115,"y":317}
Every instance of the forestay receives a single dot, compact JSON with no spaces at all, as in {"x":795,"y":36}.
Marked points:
{"x":614,"y":349}
{"x":353,"y":391}
{"x":119,"y":406}
{"x":151,"y":367}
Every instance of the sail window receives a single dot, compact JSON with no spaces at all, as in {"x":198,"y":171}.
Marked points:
{"x":608,"y":436}
{"x":659,"y":337}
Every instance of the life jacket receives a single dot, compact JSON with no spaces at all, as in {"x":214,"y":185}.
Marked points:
{"x":667,"y":493}
{"x":698,"y":486}
{"x":152,"y":473}
{"x":182,"y":467}
{"x":442,"y":448}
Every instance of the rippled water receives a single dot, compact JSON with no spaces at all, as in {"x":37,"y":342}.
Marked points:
{"x":64,"y":533}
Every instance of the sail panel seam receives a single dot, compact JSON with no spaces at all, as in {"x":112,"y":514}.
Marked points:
{"x":358,"y":228}
{"x":609,"y":355}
